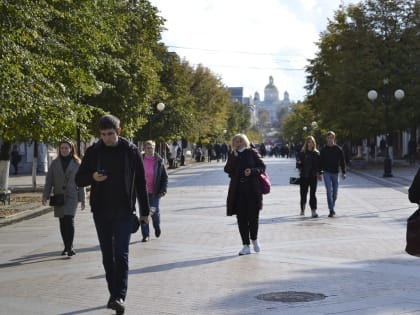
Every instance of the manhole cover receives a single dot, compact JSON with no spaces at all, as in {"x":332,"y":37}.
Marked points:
{"x":291,"y":297}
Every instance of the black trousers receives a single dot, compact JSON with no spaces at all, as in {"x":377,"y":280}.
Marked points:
{"x":114,"y":239}
{"x":305,"y":183}
{"x":67,"y":231}
{"x":248,"y":213}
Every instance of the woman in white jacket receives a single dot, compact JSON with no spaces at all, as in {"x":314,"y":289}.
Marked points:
{"x":60,"y":180}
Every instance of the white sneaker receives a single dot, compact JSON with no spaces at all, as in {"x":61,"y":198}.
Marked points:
{"x":245,"y":250}
{"x":256,"y":246}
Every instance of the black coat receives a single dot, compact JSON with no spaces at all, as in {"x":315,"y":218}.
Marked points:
{"x":310,"y":162}
{"x":414,"y":190}
{"x":257,"y":166}
{"x":134,"y":176}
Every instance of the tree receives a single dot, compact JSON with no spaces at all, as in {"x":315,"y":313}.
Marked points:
{"x":363,"y":45}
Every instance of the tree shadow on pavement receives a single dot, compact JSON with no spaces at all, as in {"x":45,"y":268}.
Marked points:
{"x":175,"y":265}
{"x":182,"y":264}
{"x":43,"y":257}
{"x":88,"y":310}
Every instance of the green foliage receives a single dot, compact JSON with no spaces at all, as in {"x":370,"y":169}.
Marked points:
{"x":63,"y":64}
{"x":57,"y":56}
{"x":363,"y":45}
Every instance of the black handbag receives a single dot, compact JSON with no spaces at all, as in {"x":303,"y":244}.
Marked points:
{"x":136,"y":223}
{"x":57,"y":200}
{"x":413,"y":234}
{"x":294,"y":180}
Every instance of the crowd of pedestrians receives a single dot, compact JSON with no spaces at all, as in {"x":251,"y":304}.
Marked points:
{"x":120,"y":176}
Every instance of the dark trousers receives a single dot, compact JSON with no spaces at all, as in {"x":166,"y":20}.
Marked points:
{"x":114,"y":239}
{"x":67,"y":231}
{"x":305,"y":183}
{"x":248,"y":213}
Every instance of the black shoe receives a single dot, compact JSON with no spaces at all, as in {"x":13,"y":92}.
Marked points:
{"x":145,"y":239}
{"x":71,"y":252}
{"x":117,"y":305}
{"x":64,"y":252}
{"x":157,"y":232}
{"x":110,"y":303}
{"x":332,"y":213}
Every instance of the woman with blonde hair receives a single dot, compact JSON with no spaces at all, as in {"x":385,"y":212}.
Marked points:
{"x":308,"y":163}
{"x":60,"y":181}
{"x":244,"y":166}
{"x":156,"y":184}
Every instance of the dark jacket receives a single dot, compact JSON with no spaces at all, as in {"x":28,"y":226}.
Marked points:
{"x":332,"y":157}
{"x":257,"y":166}
{"x":309,"y":165}
{"x":134,"y":177}
{"x":160,"y":180}
{"x":414,"y":190}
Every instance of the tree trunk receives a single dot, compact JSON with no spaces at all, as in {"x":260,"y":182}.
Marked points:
{"x":5,"y":150}
{"x":34,"y":165}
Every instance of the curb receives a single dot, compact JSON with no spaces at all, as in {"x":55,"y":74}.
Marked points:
{"x":24,"y":215}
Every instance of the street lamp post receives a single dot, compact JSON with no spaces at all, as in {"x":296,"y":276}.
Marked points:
{"x":160,"y":107}
{"x":372,"y":96}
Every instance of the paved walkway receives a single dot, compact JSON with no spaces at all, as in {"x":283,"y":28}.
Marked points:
{"x":356,"y":261}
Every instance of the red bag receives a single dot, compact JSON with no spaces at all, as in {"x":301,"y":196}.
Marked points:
{"x":265,"y":184}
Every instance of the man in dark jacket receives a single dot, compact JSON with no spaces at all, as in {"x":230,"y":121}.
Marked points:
{"x":332,"y":157}
{"x":113,"y":167}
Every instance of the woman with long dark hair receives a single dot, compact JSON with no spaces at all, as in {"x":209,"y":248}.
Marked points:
{"x":60,"y":181}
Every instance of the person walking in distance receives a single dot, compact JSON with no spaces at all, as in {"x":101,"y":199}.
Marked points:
{"x":15,"y":159}
{"x":244,"y":166}
{"x":157,"y":182}
{"x":308,"y":163}
{"x":60,"y":180}
{"x":113,"y":167}
{"x":332,"y":158}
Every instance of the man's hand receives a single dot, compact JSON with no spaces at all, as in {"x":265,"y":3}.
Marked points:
{"x":144,"y":219}
{"x":99,"y":177}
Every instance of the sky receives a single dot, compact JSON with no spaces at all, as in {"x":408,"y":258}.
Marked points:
{"x":244,"y":42}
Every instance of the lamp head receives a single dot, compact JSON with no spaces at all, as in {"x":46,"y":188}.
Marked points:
{"x":160,"y":107}
{"x":399,"y":94}
{"x":372,"y":95}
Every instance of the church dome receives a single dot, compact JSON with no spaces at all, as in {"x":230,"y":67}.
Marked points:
{"x":271,"y":93}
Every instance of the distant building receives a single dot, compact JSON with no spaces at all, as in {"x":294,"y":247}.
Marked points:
{"x":271,"y":103}
{"x":237,"y":96}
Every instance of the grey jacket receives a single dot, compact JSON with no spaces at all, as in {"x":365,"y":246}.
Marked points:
{"x":55,"y":181}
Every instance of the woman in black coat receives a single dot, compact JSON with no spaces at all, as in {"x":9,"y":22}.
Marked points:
{"x":244,"y":166}
{"x":414,"y":190}
{"x":308,"y":163}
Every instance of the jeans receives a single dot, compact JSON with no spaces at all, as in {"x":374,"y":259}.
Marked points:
{"x":154,"y":201}
{"x":331,"y":184}
{"x":114,"y":239}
